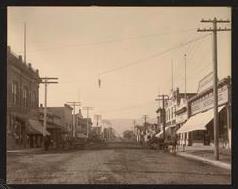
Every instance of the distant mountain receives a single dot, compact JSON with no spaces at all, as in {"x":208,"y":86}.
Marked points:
{"x":121,"y":125}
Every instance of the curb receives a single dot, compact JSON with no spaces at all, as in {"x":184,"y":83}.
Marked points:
{"x":207,"y":161}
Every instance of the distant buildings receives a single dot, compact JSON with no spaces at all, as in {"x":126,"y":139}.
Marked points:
{"x":83,"y":125}
{"x":176,"y":100}
{"x":108,"y":134}
{"x":65,"y":113}
{"x":144,"y":132}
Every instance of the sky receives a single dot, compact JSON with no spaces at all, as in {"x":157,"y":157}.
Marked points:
{"x":79,"y":44}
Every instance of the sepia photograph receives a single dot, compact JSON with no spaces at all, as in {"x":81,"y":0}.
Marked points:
{"x":118,"y":95}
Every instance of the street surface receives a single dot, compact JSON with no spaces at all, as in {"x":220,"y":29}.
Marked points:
{"x":112,"y":165}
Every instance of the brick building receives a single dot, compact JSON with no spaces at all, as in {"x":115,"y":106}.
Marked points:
{"x":22,"y":97}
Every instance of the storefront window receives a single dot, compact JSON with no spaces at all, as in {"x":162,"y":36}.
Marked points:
{"x":25,"y":95}
{"x":14,"y":92}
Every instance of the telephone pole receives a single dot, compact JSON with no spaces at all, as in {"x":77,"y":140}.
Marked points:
{"x":145,"y":119}
{"x":214,"y":30}
{"x":172,"y":74}
{"x":25,"y":42}
{"x":185,"y":75}
{"x":98,"y":117}
{"x":163,"y":98}
{"x":134,"y":126}
{"x":87,"y":108}
{"x":46,"y":81}
{"x":74,"y":104}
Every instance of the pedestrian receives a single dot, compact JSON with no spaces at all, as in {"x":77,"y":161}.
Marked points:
{"x":46,"y":143}
{"x":183,"y":143}
{"x":174,"y":143}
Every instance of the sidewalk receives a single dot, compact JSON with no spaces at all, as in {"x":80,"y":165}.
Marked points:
{"x":27,"y":150}
{"x":206,"y":155}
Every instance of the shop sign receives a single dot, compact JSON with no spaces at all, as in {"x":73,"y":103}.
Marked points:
{"x":206,"y":101}
{"x":205,"y":82}
{"x":182,"y":117}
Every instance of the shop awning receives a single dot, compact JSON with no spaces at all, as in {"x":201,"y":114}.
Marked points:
{"x":81,"y":135}
{"x":20,"y":115}
{"x":35,"y":127}
{"x":198,"y":122}
{"x":161,"y":132}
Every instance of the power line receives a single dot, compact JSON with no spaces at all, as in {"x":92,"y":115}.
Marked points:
{"x":114,"y":40}
{"x":153,"y":55}
{"x":74,"y":104}
{"x":87,"y":108}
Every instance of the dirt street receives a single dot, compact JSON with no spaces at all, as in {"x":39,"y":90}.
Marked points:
{"x":110,"y":166}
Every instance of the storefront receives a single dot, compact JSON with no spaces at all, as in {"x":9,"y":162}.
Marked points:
{"x":35,"y":133}
{"x":16,"y":130}
{"x":199,"y":129}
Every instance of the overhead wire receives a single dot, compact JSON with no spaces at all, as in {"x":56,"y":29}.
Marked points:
{"x":153,"y":55}
{"x":113,"y":40}
{"x":191,"y":55}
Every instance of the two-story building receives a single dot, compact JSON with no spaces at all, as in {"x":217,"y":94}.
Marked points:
{"x":83,"y":125}
{"x":168,"y":114}
{"x":199,"y":128}
{"x":65,"y":113}
{"x":22,"y":97}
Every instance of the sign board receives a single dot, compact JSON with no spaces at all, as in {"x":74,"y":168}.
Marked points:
{"x":205,"y":82}
{"x":206,"y":101}
{"x":182,"y":117}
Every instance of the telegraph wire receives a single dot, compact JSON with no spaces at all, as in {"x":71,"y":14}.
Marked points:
{"x":113,"y":40}
{"x":153,"y":55}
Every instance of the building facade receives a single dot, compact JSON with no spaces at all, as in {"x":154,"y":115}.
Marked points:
{"x":83,"y":125}
{"x":177,"y":100}
{"x":65,"y":113}
{"x":199,"y":127}
{"x":108,"y":134}
{"x":22,"y":97}
{"x":54,"y":126}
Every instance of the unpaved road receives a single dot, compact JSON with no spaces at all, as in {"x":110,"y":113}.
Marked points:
{"x":110,"y":166}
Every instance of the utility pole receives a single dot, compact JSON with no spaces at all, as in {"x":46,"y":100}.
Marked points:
{"x":98,"y":117}
{"x":145,"y":118}
{"x":145,"y":123}
{"x":134,"y":124}
{"x":25,"y":42}
{"x":172,"y":74}
{"x":74,"y":104}
{"x":46,"y":81}
{"x":163,"y":98}
{"x":214,"y":30}
{"x":185,"y":76}
{"x":87,"y":108}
